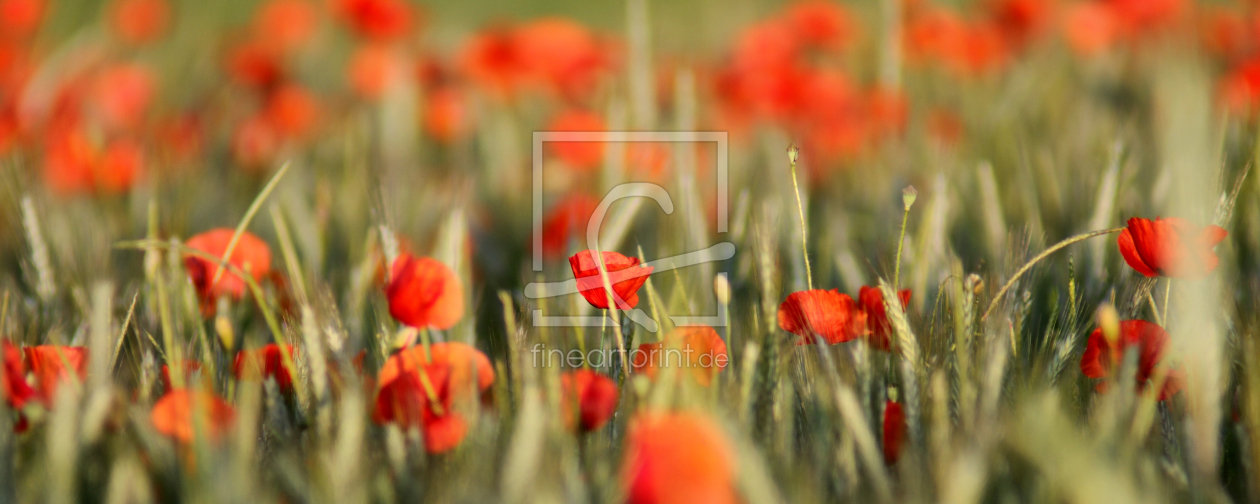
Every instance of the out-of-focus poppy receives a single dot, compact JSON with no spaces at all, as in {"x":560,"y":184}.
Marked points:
{"x":292,"y":110}
{"x":173,"y":415}
{"x":286,"y":25}
{"x":1021,"y":20}
{"x":624,"y":274}
{"x":872,"y":300}
{"x":1224,"y":32}
{"x":467,"y":365}
{"x":894,"y":431}
{"x":20,"y":18}
{"x":1101,"y":358}
{"x":698,"y":349}
{"x":1090,"y":28}
{"x":446,"y":115}
{"x":123,"y":93}
{"x":677,"y":458}
{"x":374,"y":68}
{"x":73,"y":163}
{"x":821,"y":24}
{"x":423,"y":292}
{"x":822,"y":314}
{"x":567,"y":217}
{"x":53,"y":364}
{"x":403,"y":399}
{"x":265,"y":362}
{"x":578,"y":155}
{"x":255,"y":142}
{"x":589,"y":399}
{"x":1170,"y":247}
{"x":1239,"y":88}
{"x":1140,"y":16}
{"x":493,"y":61}
{"x":140,"y":21}
{"x":17,"y":392}
{"x":254,"y":63}
{"x":377,"y":19}
{"x":251,"y":255}
{"x":560,"y":55}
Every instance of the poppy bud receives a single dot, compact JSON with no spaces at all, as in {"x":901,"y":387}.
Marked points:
{"x":908,"y":195}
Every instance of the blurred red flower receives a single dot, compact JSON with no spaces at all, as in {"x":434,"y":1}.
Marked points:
{"x":122,"y":95}
{"x":872,"y":300}
{"x":423,"y":292}
{"x":821,"y":24}
{"x":20,"y":18}
{"x":74,"y":164}
{"x":624,"y":274}
{"x":1090,"y":28}
{"x":697,"y":349}
{"x":493,"y":61}
{"x":251,"y":255}
{"x":53,"y":364}
{"x":13,"y":377}
{"x":377,"y":19}
{"x":292,"y":110}
{"x":567,"y":218}
{"x":446,"y":115}
{"x":265,"y":362}
{"x":173,"y":415}
{"x":286,"y":25}
{"x":255,"y":63}
{"x":677,"y":458}
{"x":374,"y":69}
{"x":578,"y":155}
{"x":469,"y":369}
{"x":140,"y":21}
{"x":822,"y":314}
{"x":1170,"y":247}
{"x":403,"y":398}
{"x":561,"y":55}
{"x":589,"y":399}
{"x":894,"y":431}
{"x":1101,"y":358}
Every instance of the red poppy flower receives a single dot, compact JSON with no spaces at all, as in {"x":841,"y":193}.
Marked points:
{"x":446,"y":117}
{"x":292,"y":110}
{"x":265,"y":362}
{"x":590,"y":399}
{"x":404,"y":400}
{"x":13,"y":377}
{"x":821,"y":24}
{"x":286,"y":24}
{"x":75,"y":164}
{"x":894,"y":431}
{"x":560,"y":55}
{"x":698,"y":349}
{"x":1151,"y":340}
{"x":1021,"y":20}
{"x":140,"y":21}
{"x":423,"y":292}
{"x":52,"y":364}
{"x":677,"y":458}
{"x":251,"y":254}
{"x":1090,"y":28}
{"x":374,"y":68}
{"x":624,"y":274}
{"x":1170,"y":247}
{"x":256,"y":64}
{"x":563,"y":220}
{"x":584,"y":155}
{"x":172,"y":415}
{"x":20,"y":18}
{"x":463,"y":360}
{"x":493,"y":61}
{"x":872,"y":300}
{"x":377,"y":19}
{"x":825,"y":314}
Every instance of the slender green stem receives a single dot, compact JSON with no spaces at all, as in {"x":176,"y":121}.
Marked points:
{"x":1167,"y":294}
{"x":1043,"y":255}
{"x":1155,"y":309}
{"x":800,"y":210}
{"x":249,"y":215}
{"x":900,"y":241}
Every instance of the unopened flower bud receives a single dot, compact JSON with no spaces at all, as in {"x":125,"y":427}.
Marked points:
{"x":223,"y":327}
{"x":908,"y":195}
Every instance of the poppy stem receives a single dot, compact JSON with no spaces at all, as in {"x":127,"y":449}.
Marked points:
{"x":1155,"y":309}
{"x":793,"y":153}
{"x":1167,"y":295}
{"x":426,"y":342}
{"x":1044,"y":254}
{"x":905,"y":216}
